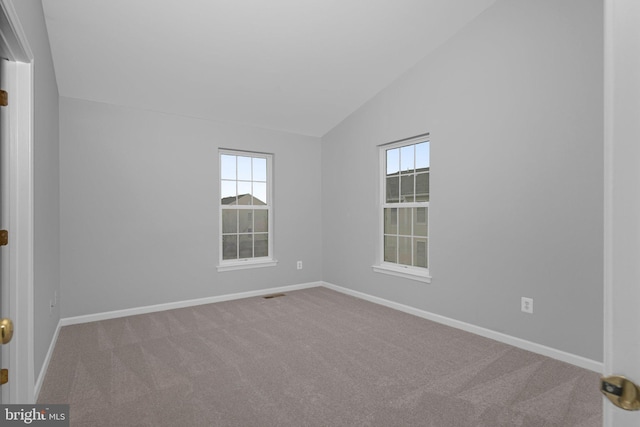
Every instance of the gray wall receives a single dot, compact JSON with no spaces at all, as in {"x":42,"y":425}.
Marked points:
{"x":139,"y":215}
{"x":514,"y":105}
{"x":46,"y":179}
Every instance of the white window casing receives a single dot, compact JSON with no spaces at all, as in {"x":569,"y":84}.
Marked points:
{"x":245,"y":210}
{"x":403,"y":248}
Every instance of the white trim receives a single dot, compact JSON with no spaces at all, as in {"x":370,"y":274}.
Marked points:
{"x":497,"y":336}
{"x":415,"y":273}
{"x":608,"y":409}
{"x":21,"y":226}
{"x":20,"y":353}
{"x":181,"y":304}
{"x":621,"y":290}
{"x":244,"y":263}
{"x":477,"y":330}
{"x":47,"y":360}
{"x":5,"y":288}
{"x":247,"y":263}
{"x":13,"y":34}
{"x":407,"y":272}
{"x":407,"y":141}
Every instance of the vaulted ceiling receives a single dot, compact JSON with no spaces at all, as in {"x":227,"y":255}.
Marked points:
{"x":294,"y":65}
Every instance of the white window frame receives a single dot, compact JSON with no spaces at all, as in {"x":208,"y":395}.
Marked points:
{"x":420,"y":274}
{"x":245,"y":263}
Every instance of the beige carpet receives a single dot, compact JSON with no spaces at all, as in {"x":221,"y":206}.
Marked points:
{"x":314,"y":357}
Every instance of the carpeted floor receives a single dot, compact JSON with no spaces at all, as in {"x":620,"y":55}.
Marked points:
{"x":314,"y":357}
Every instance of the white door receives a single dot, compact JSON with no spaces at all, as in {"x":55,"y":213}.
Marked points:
{"x":4,"y":276}
{"x":622,"y":200}
{"x":16,"y":169}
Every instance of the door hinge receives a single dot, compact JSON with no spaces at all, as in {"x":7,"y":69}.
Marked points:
{"x":4,"y":376}
{"x":4,"y":237}
{"x":4,"y":98}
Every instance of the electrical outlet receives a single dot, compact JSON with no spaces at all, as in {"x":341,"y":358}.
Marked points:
{"x":299,"y":265}
{"x":50,"y":306}
{"x":526,"y":305}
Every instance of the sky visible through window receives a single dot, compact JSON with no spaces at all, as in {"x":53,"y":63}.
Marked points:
{"x":243,"y":177}
{"x":404,"y":158}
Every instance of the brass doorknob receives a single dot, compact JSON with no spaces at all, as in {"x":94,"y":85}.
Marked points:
{"x":622,"y":392}
{"x":6,"y":330}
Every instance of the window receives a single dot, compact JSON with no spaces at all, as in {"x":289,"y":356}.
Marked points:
{"x":246,"y":214}
{"x":404,"y":209}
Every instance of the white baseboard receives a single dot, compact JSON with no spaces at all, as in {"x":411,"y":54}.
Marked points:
{"x":45,"y":365}
{"x":487,"y":333}
{"x":181,"y":304}
{"x":553,"y":353}
{"x":150,"y":309}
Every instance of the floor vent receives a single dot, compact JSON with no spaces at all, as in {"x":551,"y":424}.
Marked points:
{"x":273,"y":296}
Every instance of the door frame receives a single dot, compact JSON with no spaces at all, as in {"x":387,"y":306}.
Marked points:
{"x":622,"y":199}
{"x":19,"y":355}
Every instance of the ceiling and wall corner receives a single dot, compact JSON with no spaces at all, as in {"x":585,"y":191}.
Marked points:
{"x":298,"y":66}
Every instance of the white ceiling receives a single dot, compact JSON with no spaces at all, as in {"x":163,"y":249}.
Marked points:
{"x":295,"y":65}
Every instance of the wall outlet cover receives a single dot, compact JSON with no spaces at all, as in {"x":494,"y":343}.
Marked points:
{"x":526,"y":305}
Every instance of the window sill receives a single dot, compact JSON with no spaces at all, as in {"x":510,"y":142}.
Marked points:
{"x":243,"y":265}
{"x":421,"y":275}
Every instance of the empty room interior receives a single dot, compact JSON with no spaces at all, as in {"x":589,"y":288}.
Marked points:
{"x":192,"y":158}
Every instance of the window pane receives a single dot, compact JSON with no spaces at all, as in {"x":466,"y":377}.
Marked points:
{"x":230,"y":221}
{"x":259,"y":169}
{"x":259,"y":193}
{"x":229,"y":247}
{"x":406,"y":218}
{"x":390,"y":248}
{"x":420,"y":222}
{"x":246,"y":246}
{"x":422,"y":155}
{"x":228,"y":192}
{"x":393,"y":189}
{"x":406,"y":188}
{"x":420,"y":252}
{"x":391,"y":221}
{"x":393,"y":161}
{"x":261,"y":247}
{"x":261,"y":220}
{"x":227,"y":166}
{"x":407,"y":163}
{"x":404,"y":221}
{"x":244,"y":193}
{"x":404,"y":251}
{"x":245,"y":210}
{"x":422,"y":187}
{"x":244,"y":168}
{"x":245,"y":221}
